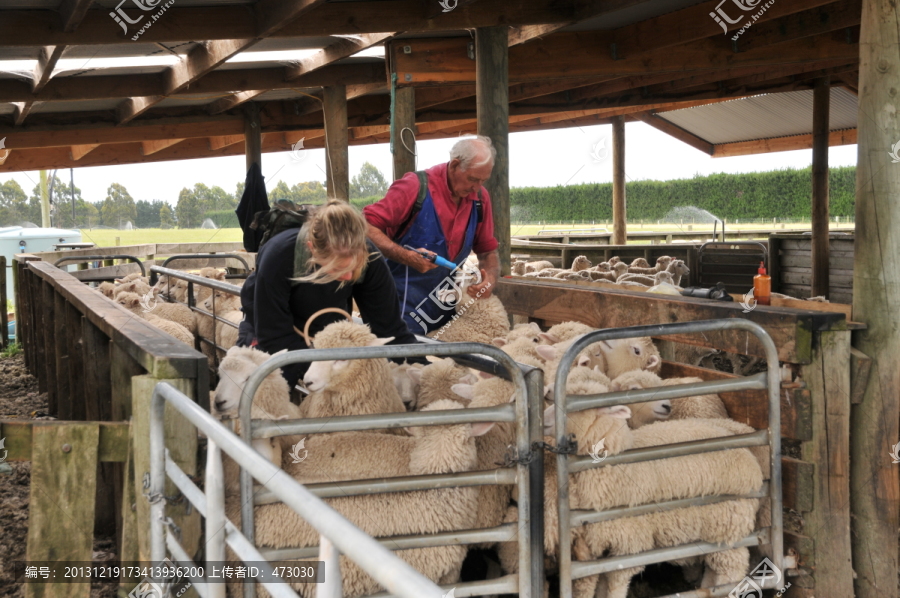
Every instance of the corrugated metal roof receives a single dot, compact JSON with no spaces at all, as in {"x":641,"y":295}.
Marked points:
{"x":763,"y":117}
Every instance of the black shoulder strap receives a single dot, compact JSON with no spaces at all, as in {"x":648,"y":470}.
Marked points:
{"x":479,"y":208}
{"x":417,"y":206}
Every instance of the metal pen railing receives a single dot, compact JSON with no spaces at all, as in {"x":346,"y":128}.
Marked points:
{"x":525,"y":413}
{"x":566,"y":464}
{"x":337,"y":534}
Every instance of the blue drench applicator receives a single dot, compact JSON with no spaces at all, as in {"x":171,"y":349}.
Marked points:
{"x":434,"y":258}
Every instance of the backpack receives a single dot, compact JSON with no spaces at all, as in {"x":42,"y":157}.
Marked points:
{"x":420,"y":200}
{"x":285,"y":215}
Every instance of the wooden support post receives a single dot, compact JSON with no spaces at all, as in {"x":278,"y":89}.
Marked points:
{"x":252,"y":136}
{"x":49,"y":340}
{"x":828,"y":523}
{"x":492,"y":103}
{"x":820,"y":238}
{"x":618,"y":207}
{"x":61,"y":507}
{"x":337,"y":140}
{"x":404,"y":117}
{"x":875,"y":489}
{"x":181,"y":441}
{"x":4,"y":338}
{"x":40,"y":349}
{"x":127,"y":536}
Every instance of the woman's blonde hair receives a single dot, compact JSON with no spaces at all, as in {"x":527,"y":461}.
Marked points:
{"x":336,"y":231}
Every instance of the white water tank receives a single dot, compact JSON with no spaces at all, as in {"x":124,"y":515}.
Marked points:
{"x":17,"y":239}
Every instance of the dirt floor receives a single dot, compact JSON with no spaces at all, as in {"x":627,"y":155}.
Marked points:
{"x":20,"y":399}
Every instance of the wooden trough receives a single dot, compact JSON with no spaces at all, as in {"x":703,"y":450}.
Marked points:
{"x":815,"y":408}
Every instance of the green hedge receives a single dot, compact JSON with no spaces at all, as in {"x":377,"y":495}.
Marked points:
{"x":780,"y":193}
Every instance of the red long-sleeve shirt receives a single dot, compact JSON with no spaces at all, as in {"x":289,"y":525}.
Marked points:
{"x":390,"y":213}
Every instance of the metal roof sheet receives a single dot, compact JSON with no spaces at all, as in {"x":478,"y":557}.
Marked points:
{"x":763,"y":116}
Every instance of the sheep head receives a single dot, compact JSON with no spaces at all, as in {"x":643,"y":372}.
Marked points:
{"x":619,"y":269}
{"x":108,"y":289}
{"x":322,"y":374}
{"x":130,"y":301}
{"x":606,"y":424}
{"x":212,"y":273}
{"x":235,"y":369}
{"x":224,"y":301}
{"x":445,"y":449}
{"x":663,"y":277}
{"x":580,"y":263}
{"x":650,"y":411}
{"x":628,"y":354}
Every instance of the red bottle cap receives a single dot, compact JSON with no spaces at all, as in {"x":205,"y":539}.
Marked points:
{"x":762,"y":268}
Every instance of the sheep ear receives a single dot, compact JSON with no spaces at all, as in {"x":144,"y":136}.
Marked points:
{"x":550,"y":338}
{"x":469,"y":378}
{"x":415,"y":374}
{"x":512,"y":398}
{"x":481,"y":429}
{"x":498,"y":341}
{"x":463,"y":390}
{"x":652,"y":362}
{"x":485,"y":375}
{"x":546,"y":352}
{"x":583,"y":360}
{"x":378,"y":342}
{"x":618,"y":411}
{"x":340,"y":364}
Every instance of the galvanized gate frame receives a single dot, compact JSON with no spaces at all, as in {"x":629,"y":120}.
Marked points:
{"x":566,"y":464}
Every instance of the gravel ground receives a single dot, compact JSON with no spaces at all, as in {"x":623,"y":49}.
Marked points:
{"x":20,"y":399}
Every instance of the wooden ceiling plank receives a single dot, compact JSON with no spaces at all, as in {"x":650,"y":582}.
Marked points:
{"x":677,"y":132}
{"x":364,"y":89}
{"x":77,"y":152}
{"x":781,"y":144}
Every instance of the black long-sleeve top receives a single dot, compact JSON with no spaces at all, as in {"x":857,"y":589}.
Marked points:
{"x":273,"y":304}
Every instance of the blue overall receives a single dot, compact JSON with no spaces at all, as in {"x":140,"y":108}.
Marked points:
{"x":422,"y":310}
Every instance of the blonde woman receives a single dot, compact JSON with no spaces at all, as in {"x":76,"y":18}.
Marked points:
{"x":326,"y":263}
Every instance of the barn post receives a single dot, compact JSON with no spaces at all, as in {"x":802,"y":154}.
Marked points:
{"x":874,"y":494}
{"x":337,"y":152}
{"x":820,"y":238}
{"x":618,"y":207}
{"x":492,"y":101}
{"x":404,"y":117}
{"x":252,"y":134}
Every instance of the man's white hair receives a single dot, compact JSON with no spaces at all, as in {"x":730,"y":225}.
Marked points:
{"x":473,"y":152}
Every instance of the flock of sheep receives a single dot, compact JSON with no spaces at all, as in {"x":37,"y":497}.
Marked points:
{"x":667,"y":273}
{"x":355,"y":387}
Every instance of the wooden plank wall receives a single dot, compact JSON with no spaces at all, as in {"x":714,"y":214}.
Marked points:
{"x":791,"y":265}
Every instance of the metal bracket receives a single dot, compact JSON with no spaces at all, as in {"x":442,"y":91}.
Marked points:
{"x":470,"y":50}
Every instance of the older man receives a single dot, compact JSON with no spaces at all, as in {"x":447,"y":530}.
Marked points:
{"x":450,"y":216}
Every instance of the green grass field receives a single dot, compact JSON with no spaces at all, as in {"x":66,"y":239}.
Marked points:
{"x":107,"y":237}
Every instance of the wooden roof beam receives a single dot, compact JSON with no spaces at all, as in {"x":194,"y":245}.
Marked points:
{"x":72,"y":12}
{"x":36,"y":27}
{"x":220,"y":141}
{"x":43,"y":70}
{"x":677,"y":132}
{"x":780,"y":144}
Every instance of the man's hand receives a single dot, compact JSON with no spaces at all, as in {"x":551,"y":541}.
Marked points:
{"x":419,"y":263}
{"x":486,"y":288}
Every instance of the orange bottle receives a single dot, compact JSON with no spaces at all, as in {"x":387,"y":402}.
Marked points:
{"x":762,"y":286}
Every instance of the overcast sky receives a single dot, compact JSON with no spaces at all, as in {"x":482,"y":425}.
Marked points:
{"x":539,"y":158}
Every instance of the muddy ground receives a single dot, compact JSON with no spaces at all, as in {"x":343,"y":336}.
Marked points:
{"x":20,"y":399}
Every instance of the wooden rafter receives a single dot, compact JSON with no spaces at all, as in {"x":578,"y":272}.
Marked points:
{"x":821,"y":19}
{"x":675,"y":131}
{"x":333,"y":52}
{"x":151,"y":147}
{"x":220,"y":141}
{"x":77,"y":152}
{"x":781,"y":144}
{"x":206,"y":57}
{"x":48,"y":56}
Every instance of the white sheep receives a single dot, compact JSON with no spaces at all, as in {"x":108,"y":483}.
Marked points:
{"x":175,"y":312}
{"x":477,"y":319}
{"x":647,"y":281}
{"x":349,"y":387}
{"x":549,"y":272}
{"x":624,"y":355}
{"x":639,"y":262}
{"x":564,"y":331}
{"x":339,"y":457}
{"x":601,"y":267}
{"x":108,"y":289}
{"x":583,"y":381}
{"x":618,"y":269}
{"x":133,"y":286}
{"x":518,"y":267}
{"x":436,"y":381}
{"x":537,"y":266}
{"x":405,"y":381}
{"x":580,"y":263}
{"x":272,"y":396}
{"x":678,"y":269}
{"x":701,"y":406}
{"x":614,"y":260}
{"x":529,"y":330}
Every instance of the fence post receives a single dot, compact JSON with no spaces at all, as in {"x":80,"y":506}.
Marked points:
{"x":181,"y":442}
{"x":4,"y":340}
{"x":64,"y":458}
